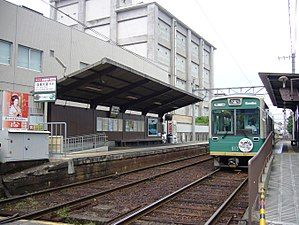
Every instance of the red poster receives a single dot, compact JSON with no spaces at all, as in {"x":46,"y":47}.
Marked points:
{"x":15,"y":110}
{"x":170,"y":126}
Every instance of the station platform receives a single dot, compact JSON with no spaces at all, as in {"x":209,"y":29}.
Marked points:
{"x":125,"y":151}
{"x":33,"y":222}
{"x":79,"y":166}
{"x":282,"y":196}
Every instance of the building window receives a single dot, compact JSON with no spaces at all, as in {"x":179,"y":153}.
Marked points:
{"x":134,"y":126}
{"x":207,"y":59}
{"x":109,"y":124}
{"x":83,"y":65}
{"x":181,"y":84}
{"x":5,"y":52}
{"x":29,"y":58}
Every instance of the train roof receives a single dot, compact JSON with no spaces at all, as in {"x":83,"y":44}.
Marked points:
{"x":238,"y":96}
{"x":261,"y":98}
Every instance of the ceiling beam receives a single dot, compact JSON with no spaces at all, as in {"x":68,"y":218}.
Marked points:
{"x":145,"y":98}
{"x":61,"y":90}
{"x":117,"y":92}
{"x":154,"y":108}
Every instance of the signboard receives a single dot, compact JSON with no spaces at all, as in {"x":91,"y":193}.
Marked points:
{"x":114,"y":111}
{"x":15,"y":107}
{"x":45,"y":97}
{"x":152,"y":127}
{"x":172,"y":127}
{"x":45,"y":89}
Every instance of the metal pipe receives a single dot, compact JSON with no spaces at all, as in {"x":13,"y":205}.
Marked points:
{"x":293,"y":128}
{"x":293,"y":62}
{"x":262,"y":208}
{"x":193,"y":123}
{"x":292,"y":89}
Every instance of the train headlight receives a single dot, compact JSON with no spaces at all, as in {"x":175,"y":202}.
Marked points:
{"x":245,"y":145}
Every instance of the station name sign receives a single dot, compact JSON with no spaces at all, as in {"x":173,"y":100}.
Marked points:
{"x":45,"y":89}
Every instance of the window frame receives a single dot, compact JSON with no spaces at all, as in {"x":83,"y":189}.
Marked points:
{"x":251,"y":114}
{"x":29,"y":59}
{"x":216,"y":121}
{"x":246,"y":118}
{"x":81,"y":64}
{"x":10,"y":52}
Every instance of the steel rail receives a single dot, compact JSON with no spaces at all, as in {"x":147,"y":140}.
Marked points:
{"x":19,"y":197}
{"x":39,"y":213}
{"x":149,"y":208}
{"x":225,"y":204}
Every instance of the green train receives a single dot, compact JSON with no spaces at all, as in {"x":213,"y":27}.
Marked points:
{"x":239,"y":125}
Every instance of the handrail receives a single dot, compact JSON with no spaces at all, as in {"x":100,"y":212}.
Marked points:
{"x":256,"y":167}
{"x":80,"y":143}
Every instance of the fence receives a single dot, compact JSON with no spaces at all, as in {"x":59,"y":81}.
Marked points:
{"x":256,"y":167}
{"x":186,"y":137}
{"x":81,"y":143}
{"x":57,"y":128}
{"x":60,"y":145}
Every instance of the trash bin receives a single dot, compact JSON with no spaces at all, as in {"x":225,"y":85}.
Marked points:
{"x":169,"y":138}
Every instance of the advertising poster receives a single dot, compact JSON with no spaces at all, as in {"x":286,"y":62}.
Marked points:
{"x":170,"y":126}
{"x":15,"y":107}
{"x":152,"y":127}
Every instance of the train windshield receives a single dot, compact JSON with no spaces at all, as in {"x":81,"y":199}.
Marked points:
{"x":243,"y":122}
{"x":247,"y":122}
{"x":223,"y":122}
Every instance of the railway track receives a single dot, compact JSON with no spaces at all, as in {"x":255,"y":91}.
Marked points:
{"x":196,"y":203}
{"x":232,"y":211}
{"x":80,"y":194}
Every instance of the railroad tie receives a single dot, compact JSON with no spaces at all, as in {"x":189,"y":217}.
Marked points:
{"x":262,"y":208}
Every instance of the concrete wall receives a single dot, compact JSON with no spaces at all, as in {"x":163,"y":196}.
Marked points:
{"x":24,"y":27}
{"x":176,"y":54}
{"x":152,"y":32}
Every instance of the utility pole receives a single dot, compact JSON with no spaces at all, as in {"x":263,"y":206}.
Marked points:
{"x":293,"y":62}
{"x":293,"y":59}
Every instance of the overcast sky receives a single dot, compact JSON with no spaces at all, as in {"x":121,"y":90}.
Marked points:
{"x":249,"y":35}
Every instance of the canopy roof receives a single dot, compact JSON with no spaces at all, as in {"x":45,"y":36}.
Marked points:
{"x":109,"y":83}
{"x":283,"y":89}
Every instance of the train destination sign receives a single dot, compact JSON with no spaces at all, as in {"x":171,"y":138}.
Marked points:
{"x":234,"y":101}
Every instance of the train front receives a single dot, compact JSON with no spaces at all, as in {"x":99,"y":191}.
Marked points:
{"x":236,"y":130}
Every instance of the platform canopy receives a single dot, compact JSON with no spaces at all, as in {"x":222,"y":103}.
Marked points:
{"x":109,"y":83}
{"x":283,"y":89}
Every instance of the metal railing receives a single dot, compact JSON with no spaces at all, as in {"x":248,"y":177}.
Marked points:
{"x":187,"y":136}
{"x":256,"y":167}
{"x":80,"y":143}
{"x":56,"y":128}
{"x":58,"y":145}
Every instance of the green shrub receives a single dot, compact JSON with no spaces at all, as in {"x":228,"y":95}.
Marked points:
{"x":202,"y":120}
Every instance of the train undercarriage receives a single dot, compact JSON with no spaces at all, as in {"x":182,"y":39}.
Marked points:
{"x":231,"y":161}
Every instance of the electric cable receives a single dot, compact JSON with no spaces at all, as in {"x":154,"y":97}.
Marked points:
{"x":223,"y":42}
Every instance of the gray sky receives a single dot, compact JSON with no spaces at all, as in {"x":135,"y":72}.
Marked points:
{"x":249,"y":35}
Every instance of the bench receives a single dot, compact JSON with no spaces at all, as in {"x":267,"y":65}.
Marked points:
{"x":136,"y":142}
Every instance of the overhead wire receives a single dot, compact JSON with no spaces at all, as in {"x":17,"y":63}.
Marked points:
{"x":223,"y":42}
{"x":108,"y":39}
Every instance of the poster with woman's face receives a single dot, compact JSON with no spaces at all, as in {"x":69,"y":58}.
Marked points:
{"x":15,"y":110}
